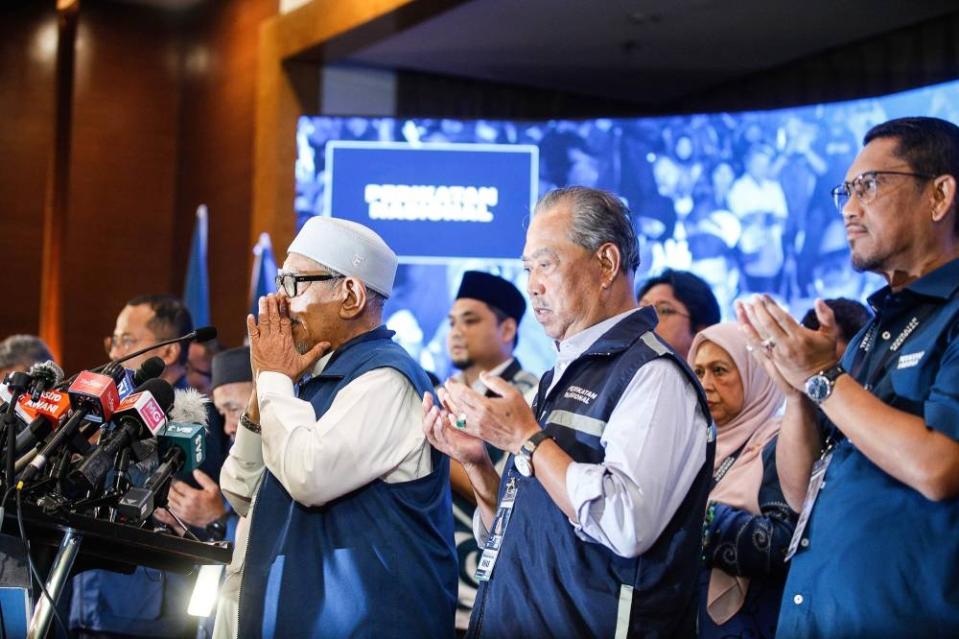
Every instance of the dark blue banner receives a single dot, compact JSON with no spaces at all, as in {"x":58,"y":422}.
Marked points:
{"x":436,"y":201}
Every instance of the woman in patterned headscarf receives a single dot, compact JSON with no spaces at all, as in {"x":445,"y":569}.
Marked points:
{"x":748,"y":524}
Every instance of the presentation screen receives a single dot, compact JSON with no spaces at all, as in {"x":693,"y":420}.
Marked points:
{"x":741,"y":199}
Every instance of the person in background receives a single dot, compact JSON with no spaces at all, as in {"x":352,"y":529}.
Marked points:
{"x":484,"y":323}
{"x":19,"y":352}
{"x":850,"y":316}
{"x":748,"y":524}
{"x":684,"y":306}
{"x":147,"y":602}
{"x":594,"y":528}
{"x":231,"y":386}
{"x":231,"y":381}
{"x":757,"y":199}
{"x":869,"y":445}
{"x":198,"y":365}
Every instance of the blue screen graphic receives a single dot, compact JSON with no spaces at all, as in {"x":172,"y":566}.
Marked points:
{"x":424,"y":199}
{"x":741,"y":199}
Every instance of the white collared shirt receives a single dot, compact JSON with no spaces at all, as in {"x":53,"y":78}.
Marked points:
{"x":655,"y":445}
{"x":372,"y":430}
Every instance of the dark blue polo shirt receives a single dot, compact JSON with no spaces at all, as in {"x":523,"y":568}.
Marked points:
{"x":878,"y":559}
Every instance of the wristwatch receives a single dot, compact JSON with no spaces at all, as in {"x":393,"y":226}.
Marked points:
{"x":523,"y":460}
{"x":819,"y":386}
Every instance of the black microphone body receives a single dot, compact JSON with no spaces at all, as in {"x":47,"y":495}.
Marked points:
{"x":32,"y":434}
{"x":45,"y":375}
{"x":202,"y":334}
{"x":92,"y":395}
{"x":139,"y":503}
{"x":140,"y":415}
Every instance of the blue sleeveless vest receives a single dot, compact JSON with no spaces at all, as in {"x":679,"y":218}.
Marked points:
{"x":377,"y":562}
{"x":549,"y":583}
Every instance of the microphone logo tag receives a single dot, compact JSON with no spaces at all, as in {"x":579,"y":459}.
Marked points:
{"x":97,"y":392}
{"x":146,"y":407}
{"x":52,"y":404}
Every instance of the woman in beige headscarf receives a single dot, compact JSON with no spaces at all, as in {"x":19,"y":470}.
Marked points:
{"x":748,"y":524}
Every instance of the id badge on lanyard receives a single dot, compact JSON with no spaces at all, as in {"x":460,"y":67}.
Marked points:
{"x":495,"y":540}
{"x":812,"y":492}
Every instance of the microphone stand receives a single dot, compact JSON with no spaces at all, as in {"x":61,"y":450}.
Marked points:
{"x":17,"y":384}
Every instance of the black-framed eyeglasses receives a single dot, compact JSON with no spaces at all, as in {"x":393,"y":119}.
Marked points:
{"x":865,"y":186}
{"x":287,"y":282}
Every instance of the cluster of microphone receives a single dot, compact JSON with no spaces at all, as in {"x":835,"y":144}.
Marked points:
{"x":148,"y":435}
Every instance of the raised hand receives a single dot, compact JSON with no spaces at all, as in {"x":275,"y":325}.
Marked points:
{"x":440,"y":430}
{"x":795,"y":351}
{"x":506,"y":421}
{"x":271,"y":341}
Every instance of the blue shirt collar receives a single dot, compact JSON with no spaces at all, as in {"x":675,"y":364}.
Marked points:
{"x":942,"y":283}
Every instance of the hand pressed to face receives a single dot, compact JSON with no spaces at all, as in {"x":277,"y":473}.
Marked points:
{"x":271,"y":341}
{"x":795,"y":352}
{"x":506,"y":422}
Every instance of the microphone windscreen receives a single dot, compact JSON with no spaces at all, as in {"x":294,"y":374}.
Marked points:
{"x":190,"y":407}
{"x":150,"y":369}
{"x":48,"y":371}
{"x":205,"y":334}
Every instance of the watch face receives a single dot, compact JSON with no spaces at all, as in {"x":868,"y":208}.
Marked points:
{"x":522,"y":465}
{"x":818,"y":388}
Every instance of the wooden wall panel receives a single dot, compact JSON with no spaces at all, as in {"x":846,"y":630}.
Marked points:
{"x":27,"y":55}
{"x":123,"y":178}
{"x":216,"y":152}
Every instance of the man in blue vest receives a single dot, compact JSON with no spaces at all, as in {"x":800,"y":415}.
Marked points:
{"x":869,"y":446}
{"x":595,"y":528}
{"x":350,"y":530}
{"x":484,"y":326}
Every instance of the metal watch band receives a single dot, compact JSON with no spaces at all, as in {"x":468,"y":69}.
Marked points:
{"x":249,"y":424}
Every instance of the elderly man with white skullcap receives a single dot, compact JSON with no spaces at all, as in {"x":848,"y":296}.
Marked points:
{"x":351,"y":532}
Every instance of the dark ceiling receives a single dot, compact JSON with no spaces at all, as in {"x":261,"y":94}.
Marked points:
{"x":642,"y":51}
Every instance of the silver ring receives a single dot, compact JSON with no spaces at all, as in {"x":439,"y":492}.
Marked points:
{"x":768,"y":344}
{"x":460,"y":421}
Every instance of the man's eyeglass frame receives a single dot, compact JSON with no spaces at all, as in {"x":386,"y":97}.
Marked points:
{"x":843,"y":192}
{"x":283,"y":279}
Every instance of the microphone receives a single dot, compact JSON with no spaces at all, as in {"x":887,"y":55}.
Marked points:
{"x":139,"y":416}
{"x":93,"y":397}
{"x":42,"y":416}
{"x":186,"y":430}
{"x":132,"y":380}
{"x":202,"y":334}
{"x":44,"y":376}
{"x":182,"y":449}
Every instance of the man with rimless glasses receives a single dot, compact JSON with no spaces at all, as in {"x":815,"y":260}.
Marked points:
{"x":869,"y":446}
{"x":351,"y":528}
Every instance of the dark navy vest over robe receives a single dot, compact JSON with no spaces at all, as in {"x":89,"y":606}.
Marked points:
{"x":377,"y":562}
{"x":547,"y":582}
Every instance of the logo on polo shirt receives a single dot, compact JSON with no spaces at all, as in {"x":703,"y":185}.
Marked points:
{"x":909,"y":360}
{"x":580,"y":394}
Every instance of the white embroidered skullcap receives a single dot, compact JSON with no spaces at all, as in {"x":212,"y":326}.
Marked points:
{"x":348,"y":248}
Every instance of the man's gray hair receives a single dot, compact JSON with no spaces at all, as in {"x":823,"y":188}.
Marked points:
{"x":599,"y":217}
{"x":23,"y":351}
